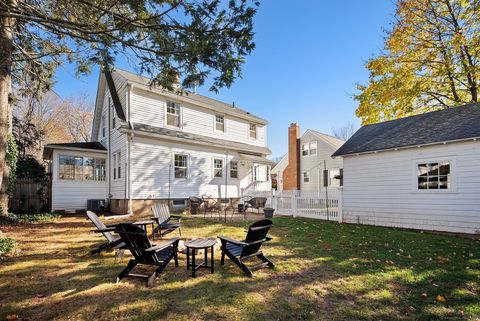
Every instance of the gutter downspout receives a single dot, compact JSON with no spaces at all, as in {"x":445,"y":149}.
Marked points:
{"x":109,"y":153}
{"x":129,"y":153}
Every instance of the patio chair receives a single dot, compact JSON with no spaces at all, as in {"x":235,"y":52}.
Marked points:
{"x":240,"y":251}
{"x":144,"y":253}
{"x":162,"y":216}
{"x":210,"y":205}
{"x":256,"y":203}
{"x":113,"y":242}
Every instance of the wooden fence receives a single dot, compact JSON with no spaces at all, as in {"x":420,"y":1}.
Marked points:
{"x":31,"y":196}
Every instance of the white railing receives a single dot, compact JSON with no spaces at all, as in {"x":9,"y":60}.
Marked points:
{"x":312,"y":204}
{"x":258,"y":187}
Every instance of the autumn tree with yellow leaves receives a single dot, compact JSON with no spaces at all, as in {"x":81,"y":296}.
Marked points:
{"x":430,"y":61}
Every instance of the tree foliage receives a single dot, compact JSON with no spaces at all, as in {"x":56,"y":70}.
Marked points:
{"x":164,"y":38}
{"x":168,"y":40}
{"x":430,"y":61}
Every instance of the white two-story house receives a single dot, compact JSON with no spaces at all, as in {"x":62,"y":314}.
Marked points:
{"x":149,"y":145}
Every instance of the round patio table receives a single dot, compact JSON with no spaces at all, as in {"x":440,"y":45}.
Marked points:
{"x":200,"y":244}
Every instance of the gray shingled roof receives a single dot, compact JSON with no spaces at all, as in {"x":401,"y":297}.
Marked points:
{"x":194,"y":138}
{"x":451,"y":124}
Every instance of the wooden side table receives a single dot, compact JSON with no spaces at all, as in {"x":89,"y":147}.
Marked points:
{"x":200,"y":244}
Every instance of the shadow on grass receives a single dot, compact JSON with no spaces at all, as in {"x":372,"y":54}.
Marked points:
{"x":323,"y":271}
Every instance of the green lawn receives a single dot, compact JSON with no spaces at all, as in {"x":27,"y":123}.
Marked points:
{"x":324,"y":271}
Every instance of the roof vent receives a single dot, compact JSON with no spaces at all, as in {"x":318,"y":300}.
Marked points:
{"x":233,"y":104}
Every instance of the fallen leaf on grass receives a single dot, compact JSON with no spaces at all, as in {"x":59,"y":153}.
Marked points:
{"x":441,"y":298}
{"x":12,"y":317}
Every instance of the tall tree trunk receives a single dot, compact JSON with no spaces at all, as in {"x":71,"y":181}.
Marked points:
{"x":6,"y":48}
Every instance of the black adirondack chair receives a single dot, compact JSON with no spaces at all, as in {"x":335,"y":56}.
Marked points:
{"x":137,"y":242}
{"x":113,"y":242}
{"x":241,"y":251}
{"x":163,"y":218}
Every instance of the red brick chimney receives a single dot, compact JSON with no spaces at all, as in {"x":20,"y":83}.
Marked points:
{"x":291,"y":174}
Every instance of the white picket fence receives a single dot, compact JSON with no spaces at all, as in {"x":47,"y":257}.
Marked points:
{"x":312,"y":204}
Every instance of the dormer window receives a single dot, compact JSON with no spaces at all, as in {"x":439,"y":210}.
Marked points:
{"x":253,"y":131}
{"x":173,"y":114}
{"x":219,"y":123}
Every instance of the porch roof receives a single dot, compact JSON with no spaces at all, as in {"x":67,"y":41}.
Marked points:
{"x":86,"y":146}
{"x":190,"y":138}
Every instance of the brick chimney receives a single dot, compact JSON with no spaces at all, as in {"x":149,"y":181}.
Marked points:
{"x":291,"y":174}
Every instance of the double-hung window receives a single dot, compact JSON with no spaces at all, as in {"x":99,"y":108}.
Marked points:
{"x":433,"y":176}
{"x":306,"y":177}
{"x":103,"y":126}
{"x":313,"y":148}
{"x":180,"y":165}
{"x":173,"y":114}
{"x":253,"y":131}
{"x":305,"y":150}
{"x":219,"y":123}
{"x":218,"y":167}
{"x":233,"y":169}
{"x":117,"y":165}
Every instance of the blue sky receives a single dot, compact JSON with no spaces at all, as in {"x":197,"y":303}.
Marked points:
{"x":309,"y":56}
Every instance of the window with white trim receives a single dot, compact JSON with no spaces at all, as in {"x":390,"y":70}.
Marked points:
{"x":313,"y":148}
{"x":219,"y":123}
{"x":306,"y":177}
{"x":173,"y":114}
{"x":233,"y":169}
{"x":103,"y":126}
{"x":180,"y":166}
{"x":253,"y":131}
{"x":117,"y":164}
{"x":81,"y":168}
{"x":305,"y":150}
{"x":179,"y":203}
{"x":434,"y":176}
{"x":218,"y":167}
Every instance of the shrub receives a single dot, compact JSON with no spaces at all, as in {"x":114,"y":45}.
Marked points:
{"x":6,"y":245}
{"x":27,"y":218}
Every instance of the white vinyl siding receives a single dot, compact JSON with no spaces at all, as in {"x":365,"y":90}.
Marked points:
{"x":150,"y":108}
{"x":382,"y":189}
{"x":150,"y":175}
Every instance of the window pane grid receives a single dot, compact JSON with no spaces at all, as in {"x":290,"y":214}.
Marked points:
{"x":173,"y":114}
{"x":180,"y":166}
{"x":234,"y":169}
{"x":434,"y":175}
{"x":218,"y":167}
{"x":81,"y":168}
{"x":253,"y":131}
{"x":219,"y":123}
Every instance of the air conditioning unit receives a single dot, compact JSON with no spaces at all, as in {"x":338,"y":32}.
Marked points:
{"x":96,"y":205}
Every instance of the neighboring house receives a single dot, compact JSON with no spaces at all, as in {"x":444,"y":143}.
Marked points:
{"x":420,"y":172}
{"x":150,"y":144}
{"x":308,"y":165}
